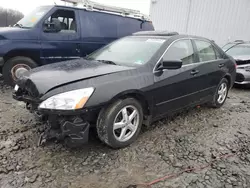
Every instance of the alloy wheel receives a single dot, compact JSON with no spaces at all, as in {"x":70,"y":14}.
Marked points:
{"x":222,"y":93}
{"x":126,"y":123}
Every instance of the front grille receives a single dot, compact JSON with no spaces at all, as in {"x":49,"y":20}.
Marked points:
{"x":240,"y":77}
{"x":242,"y":62}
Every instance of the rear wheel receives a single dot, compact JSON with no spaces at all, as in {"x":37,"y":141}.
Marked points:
{"x":119,"y":125}
{"x":221,"y":93}
{"x":15,"y":67}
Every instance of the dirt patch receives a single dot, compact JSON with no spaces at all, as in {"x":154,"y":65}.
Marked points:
{"x":190,"y":139}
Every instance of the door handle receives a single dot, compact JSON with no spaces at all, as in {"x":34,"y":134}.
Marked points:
{"x":194,"y":72}
{"x":221,"y":65}
{"x":78,"y":48}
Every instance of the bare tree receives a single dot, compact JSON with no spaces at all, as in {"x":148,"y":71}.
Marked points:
{"x":9,"y":17}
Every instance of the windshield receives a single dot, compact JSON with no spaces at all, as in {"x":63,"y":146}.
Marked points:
{"x":227,"y":46}
{"x":31,"y":19}
{"x":130,"y":51}
{"x":239,"y":50}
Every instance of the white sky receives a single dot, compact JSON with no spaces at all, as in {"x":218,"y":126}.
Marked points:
{"x":26,"y":6}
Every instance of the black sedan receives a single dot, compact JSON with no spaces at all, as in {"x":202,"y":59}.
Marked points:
{"x":126,"y":84}
{"x":240,"y":51}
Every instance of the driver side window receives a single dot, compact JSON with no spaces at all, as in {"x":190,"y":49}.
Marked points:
{"x":181,"y":50}
{"x":67,"y":20}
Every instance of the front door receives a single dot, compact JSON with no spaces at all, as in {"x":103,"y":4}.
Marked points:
{"x":65,"y":44}
{"x":176,"y":89}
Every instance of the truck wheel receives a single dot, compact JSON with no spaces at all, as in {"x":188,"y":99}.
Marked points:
{"x":119,"y":125}
{"x":15,"y":67}
{"x":221,"y":93}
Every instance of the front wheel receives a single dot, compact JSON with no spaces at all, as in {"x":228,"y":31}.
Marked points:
{"x":221,"y":93}
{"x":15,"y":67}
{"x":119,"y":125}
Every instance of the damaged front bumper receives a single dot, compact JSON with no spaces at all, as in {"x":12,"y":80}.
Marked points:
{"x":73,"y":130}
{"x":69,"y":126}
{"x":242,"y":77}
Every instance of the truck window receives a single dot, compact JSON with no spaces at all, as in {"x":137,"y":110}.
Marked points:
{"x":67,"y":19}
{"x":33,"y":18}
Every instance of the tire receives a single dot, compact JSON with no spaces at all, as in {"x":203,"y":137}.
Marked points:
{"x":108,"y":116}
{"x":216,"y":103}
{"x":25,"y":62}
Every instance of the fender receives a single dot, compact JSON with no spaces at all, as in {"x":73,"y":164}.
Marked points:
{"x":147,"y":102}
{"x":33,"y":53}
{"x":229,"y":78}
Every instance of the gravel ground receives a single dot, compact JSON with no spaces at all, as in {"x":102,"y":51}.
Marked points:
{"x":190,"y":139}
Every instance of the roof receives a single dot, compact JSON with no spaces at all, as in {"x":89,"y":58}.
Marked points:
{"x":242,"y":44}
{"x":156,"y":33}
{"x":167,"y":34}
{"x":239,"y":42}
{"x":236,"y":43}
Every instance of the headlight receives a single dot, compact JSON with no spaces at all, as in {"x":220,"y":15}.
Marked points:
{"x":247,"y":68}
{"x":71,"y":100}
{"x":16,"y":88}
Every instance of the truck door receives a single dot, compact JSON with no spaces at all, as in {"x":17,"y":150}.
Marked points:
{"x":61,"y":45}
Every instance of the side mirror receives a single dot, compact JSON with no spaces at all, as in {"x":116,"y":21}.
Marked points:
{"x":170,"y":64}
{"x":53,"y":26}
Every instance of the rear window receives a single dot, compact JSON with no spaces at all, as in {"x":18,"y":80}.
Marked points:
{"x":205,"y":51}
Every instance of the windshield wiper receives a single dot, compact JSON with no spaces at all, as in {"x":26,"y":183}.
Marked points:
{"x":18,"y":25}
{"x":107,"y":62}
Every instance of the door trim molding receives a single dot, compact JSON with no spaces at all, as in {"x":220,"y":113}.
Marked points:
{"x":164,"y":102}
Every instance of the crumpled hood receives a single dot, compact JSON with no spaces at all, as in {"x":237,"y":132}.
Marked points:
{"x":242,"y":58}
{"x":242,"y":61}
{"x":16,"y":33}
{"x":42,"y":79}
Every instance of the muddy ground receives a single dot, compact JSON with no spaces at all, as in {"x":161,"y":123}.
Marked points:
{"x":190,"y":139}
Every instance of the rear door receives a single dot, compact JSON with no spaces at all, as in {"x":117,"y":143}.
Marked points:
{"x":63,"y":45}
{"x":176,"y":89}
{"x":211,"y":67}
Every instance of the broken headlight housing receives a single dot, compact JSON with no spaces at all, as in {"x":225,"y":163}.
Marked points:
{"x":247,"y":68}
{"x":71,"y":100}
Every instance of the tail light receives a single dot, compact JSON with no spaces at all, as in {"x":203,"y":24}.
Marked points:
{"x":235,"y":64}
